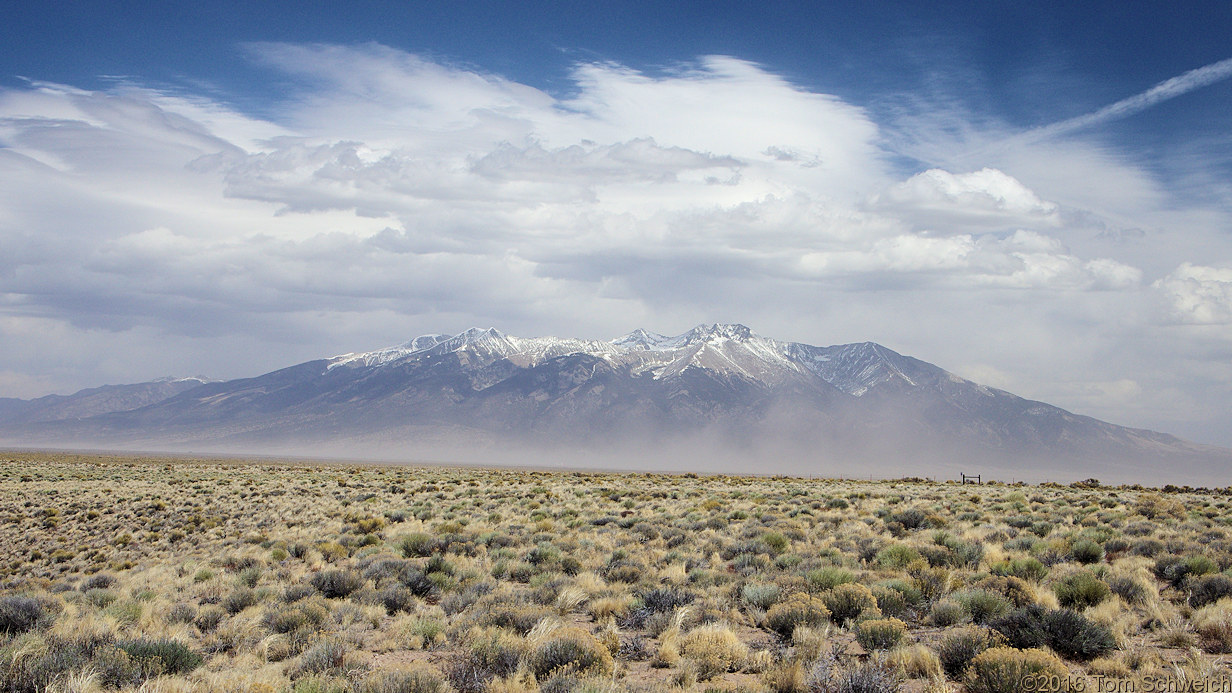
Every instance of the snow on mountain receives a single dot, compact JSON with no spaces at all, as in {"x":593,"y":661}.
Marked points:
{"x":721,"y":348}
{"x":717,"y":389}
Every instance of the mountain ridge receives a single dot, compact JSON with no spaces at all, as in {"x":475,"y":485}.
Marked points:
{"x":719,"y":396}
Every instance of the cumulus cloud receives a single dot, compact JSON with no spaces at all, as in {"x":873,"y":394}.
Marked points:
{"x":386,"y":194}
{"x":1198,"y":294}
{"x":984,"y":199}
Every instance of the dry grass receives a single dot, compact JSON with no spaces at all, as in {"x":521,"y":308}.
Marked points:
{"x":236,"y":576}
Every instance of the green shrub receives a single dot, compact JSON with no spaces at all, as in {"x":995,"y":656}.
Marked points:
{"x":1081,"y":590}
{"x":897,"y":556}
{"x":828,"y":577}
{"x":419,"y":545}
{"x":1004,"y":670}
{"x":846,"y":602}
{"x":250,"y":576}
{"x":880,"y":633}
{"x":983,"y":605}
{"x":1026,"y":568}
{"x":175,"y":656}
{"x":100,"y":598}
{"x":799,"y":609}
{"x":1087,"y":552}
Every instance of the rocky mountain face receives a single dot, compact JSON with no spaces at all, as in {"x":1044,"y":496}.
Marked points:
{"x":716,"y":398}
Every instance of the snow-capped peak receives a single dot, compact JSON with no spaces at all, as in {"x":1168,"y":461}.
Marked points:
{"x":717,"y":332}
{"x":720,"y":347}
{"x":640,"y":339}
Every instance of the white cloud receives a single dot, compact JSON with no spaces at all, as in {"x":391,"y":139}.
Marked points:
{"x":987,"y":198}
{"x":1198,"y":294}
{"x":389,"y":195}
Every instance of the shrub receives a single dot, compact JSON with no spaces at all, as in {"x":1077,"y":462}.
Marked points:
{"x":208,"y":618}
{"x":324,"y":657}
{"x":948,"y":612}
{"x":20,"y":614}
{"x":761,"y":596}
{"x":116,"y":669}
{"x":876,"y":675}
{"x":909,"y":518}
{"x":1023,"y":628}
{"x":419,"y":545}
{"x":846,"y":602}
{"x":983,"y":605}
{"x":797,"y":610}
{"x":1087,"y":552}
{"x":880,"y":633}
{"x":1074,"y":636}
{"x":890,"y":602}
{"x":897,"y":556}
{"x":175,"y":656}
{"x":958,"y":647}
{"x":828,"y":578}
{"x":1069,"y":633}
{"x":931,"y":583}
{"x":286,"y":620}
{"x":1004,"y":669}
{"x":569,"y":650}
{"x":238,"y":600}
{"x":1017,"y":590}
{"x":99,"y":581}
{"x":492,"y":653}
{"x":1208,"y":589}
{"x":1081,"y":590}
{"x":715,"y":650}
{"x":420,"y":680}
{"x":181,"y":613}
{"x":660,"y":600}
{"x":396,"y":598}
{"x":1132,"y":590}
{"x":1026,"y":568}
{"x":250,"y":576}
{"x":294,"y":593}
{"x":336,"y":583}
{"x":100,"y":598}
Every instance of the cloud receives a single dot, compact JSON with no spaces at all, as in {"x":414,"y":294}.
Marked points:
{"x":985,"y":199}
{"x":1198,"y":294}
{"x":385,"y":195}
{"x":1165,"y":90}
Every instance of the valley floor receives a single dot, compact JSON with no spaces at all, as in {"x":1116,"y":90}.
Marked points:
{"x":223,"y":575}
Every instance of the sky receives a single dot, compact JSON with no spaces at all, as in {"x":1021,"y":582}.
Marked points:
{"x":1034,"y":196}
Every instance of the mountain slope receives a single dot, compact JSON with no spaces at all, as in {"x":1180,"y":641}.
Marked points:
{"x":716,"y":398}
{"x":94,"y":401}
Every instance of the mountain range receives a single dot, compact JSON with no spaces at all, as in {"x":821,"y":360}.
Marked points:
{"x":718,"y":398}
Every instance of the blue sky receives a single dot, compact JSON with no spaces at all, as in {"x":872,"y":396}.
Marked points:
{"x":226,"y":188}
